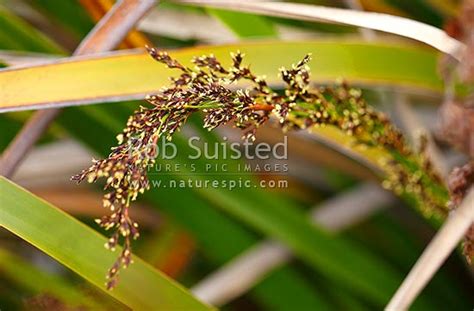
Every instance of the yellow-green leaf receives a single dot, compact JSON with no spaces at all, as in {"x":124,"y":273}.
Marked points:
{"x":132,"y":74}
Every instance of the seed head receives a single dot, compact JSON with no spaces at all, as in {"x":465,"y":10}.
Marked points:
{"x":208,"y":87}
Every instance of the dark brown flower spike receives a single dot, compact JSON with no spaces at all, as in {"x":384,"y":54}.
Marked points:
{"x":207,"y":88}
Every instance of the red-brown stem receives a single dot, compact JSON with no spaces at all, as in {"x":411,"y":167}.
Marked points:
{"x":263,"y":107}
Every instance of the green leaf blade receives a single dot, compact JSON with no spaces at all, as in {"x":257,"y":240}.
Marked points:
{"x":81,"y":249}
{"x":245,"y":25}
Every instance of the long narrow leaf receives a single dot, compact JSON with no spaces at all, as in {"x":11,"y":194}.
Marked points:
{"x":388,"y":23}
{"x":81,"y":249}
{"x":132,"y":74}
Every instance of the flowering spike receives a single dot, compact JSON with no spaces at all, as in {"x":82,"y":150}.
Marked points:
{"x":207,"y":88}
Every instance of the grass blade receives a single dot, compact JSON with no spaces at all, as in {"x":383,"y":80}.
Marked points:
{"x":81,"y":249}
{"x":133,"y":74}
{"x":382,"y":22}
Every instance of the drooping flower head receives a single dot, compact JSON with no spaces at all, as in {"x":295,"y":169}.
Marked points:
{"x":211,"y":89}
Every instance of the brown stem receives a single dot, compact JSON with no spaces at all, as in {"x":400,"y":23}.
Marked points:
{"x":25,"y":139}
{"x":105,"y":36}
{"x":97,"y":9}
{"x":263,"y":107}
